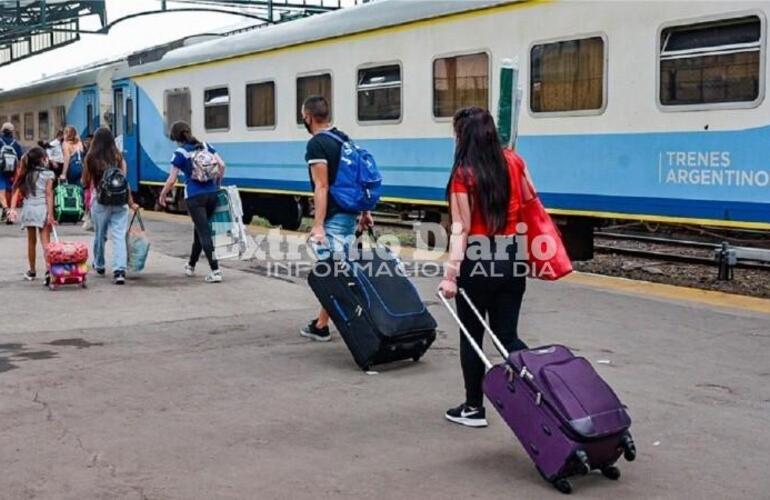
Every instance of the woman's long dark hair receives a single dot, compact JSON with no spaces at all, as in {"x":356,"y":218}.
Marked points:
{"x":30,"y":167}
{"x":102,"y":154}
{"x":479,"y":155}
{"x":182,"y":133}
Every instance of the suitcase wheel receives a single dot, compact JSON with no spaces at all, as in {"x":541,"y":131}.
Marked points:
{"x":629,"y":448}
{"x":611,"y":472}
{"x":583,"y":466}
{"x":563,"y":485}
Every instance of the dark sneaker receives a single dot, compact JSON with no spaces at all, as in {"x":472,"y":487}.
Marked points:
{"x":99,"y":270}
{"x":313,"y":332}
{"x":30,"y":275}
{"x":119,"y":277}
{"x":467,"y":416}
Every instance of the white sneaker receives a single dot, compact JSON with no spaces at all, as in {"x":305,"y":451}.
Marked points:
{"x":213,"y":277}
{"x":189,"y":270}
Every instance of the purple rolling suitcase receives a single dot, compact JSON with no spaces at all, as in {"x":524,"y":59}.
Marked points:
{"x":564,"y":414}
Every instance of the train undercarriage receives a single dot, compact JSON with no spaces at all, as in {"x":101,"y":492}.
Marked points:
{"x":287,"y":211}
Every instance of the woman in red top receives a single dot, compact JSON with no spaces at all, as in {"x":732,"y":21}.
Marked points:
{"x":483,"y":194}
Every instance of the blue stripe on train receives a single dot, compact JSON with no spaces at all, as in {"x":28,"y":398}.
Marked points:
{"x":634,"y":173}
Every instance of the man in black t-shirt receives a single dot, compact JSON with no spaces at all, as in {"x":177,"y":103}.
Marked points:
{"x":332,"y":226}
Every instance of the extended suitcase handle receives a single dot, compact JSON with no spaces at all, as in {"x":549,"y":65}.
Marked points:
{"x":465,"y":331}
{"x":499,"y":345}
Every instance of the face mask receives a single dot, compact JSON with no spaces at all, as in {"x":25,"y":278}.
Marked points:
{"x":307,"y":126}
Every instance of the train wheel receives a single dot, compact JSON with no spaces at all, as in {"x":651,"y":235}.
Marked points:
{"x":147,"y":199}
{"x":293,"y":219}
{"x":291,"y":214}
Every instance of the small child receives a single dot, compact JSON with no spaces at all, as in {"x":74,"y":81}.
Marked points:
{"x":34,"y":184}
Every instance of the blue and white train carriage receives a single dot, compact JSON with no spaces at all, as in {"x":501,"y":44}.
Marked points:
{"x":82,"y":98}
{"x":632,"y":110}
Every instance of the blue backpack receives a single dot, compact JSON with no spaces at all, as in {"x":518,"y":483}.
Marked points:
{"x":358,"y":183}
{"x":75,"y":169}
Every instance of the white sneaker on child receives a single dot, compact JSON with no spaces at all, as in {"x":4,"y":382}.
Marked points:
{"x":213,"y":277}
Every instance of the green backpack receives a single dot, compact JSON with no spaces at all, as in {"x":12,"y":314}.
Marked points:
{"x":68,"y":203}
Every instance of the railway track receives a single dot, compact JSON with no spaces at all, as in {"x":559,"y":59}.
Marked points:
{"x":666,"y":249}
{"x":390,"y":219}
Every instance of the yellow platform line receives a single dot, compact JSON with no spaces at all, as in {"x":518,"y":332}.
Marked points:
{"x":624,"y":285}
{"x":672,"y":292}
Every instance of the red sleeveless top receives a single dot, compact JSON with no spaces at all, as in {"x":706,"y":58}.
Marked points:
{"x":464,"y":182}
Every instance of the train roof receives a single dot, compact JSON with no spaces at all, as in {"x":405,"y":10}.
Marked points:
{"x":76,"y":78}
{"x":362,"y":18}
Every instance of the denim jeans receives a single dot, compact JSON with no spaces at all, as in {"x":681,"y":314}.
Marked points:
{"x":110,"y":222}
{"x":340,"y":231}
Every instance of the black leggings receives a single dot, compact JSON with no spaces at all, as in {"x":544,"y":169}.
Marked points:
{"x":497,"y":293}
{"x":201,"y":208}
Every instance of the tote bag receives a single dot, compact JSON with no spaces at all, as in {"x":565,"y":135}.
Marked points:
{"x":137,"y":243}
{"x":546,"y":255}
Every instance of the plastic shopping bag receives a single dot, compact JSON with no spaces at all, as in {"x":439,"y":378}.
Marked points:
{"x":137,"y":243}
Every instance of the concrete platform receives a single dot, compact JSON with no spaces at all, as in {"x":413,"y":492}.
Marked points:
{"x":171,"y":389}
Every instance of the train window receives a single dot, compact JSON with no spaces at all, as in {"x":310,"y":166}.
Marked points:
{"x":379,"y":93}
{"x":59,"y":117}
{"x":459,"y":82}
{"x":260,"y":104}
{"x":118,"y":121}
{"x":711,"y":62}
{"x":16,"y":121}
{"x":29,"y":126}
{"x":567,"y":76}
{"x":129,"y":116}
{"x":89,"y":119}
{"x":178,"y":107}
{"x":216,"y":103}
{"x":43,"y":126}
{"x":313,"y":85}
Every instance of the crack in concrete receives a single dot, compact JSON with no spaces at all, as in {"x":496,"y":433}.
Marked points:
{"x":95,"y":458}
{"x":46,"y":407}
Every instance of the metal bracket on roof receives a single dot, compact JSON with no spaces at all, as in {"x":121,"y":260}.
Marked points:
{"x":32,"y":27}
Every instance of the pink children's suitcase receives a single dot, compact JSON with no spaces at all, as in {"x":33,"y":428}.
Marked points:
{"x":67,"y":262}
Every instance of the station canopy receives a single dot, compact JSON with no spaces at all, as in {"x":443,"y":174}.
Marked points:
{"x":31,"y":27}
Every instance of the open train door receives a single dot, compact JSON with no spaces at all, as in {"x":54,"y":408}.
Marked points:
{"x":126,"y":127}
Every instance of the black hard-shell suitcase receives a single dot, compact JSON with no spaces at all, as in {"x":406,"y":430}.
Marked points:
{"x":375,"y":307}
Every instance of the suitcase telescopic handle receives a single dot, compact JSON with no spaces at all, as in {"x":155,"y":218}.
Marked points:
{"x":499,"y":345}
{"x":465,"y":331}
{"x":54,"y":233}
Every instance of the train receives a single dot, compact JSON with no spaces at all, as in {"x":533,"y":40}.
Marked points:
{"x":633,"y":110}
